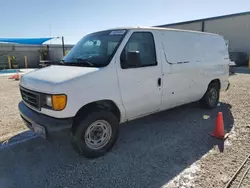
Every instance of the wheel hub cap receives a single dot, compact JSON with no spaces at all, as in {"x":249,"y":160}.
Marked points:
{"x":98,"y":134}
{"x":213,"y":95}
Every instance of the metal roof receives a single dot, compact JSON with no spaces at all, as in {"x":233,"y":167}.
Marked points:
{"x":30,"y":41}
{"x":205,"y":19}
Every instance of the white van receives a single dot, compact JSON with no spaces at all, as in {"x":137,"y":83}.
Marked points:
{"x":117,"y":75}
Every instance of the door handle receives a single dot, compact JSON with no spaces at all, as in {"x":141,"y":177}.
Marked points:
{"x":159,"y":82}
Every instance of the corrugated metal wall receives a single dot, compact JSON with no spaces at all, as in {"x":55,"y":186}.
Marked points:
{"x":195,"y":26}
{"x":235,"y":29}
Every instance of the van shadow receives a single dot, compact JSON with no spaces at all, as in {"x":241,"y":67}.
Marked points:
{"x":17,"y":139}
{"x":241,"y":70}
{"x":149,"y":153}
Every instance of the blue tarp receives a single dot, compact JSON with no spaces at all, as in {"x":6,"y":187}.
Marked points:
{"x":30,"y":41}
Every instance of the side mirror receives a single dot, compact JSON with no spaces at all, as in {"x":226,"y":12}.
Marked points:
{"x":133,"y":59}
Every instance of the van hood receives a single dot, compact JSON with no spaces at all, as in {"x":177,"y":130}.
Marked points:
{"x":46,"y":79}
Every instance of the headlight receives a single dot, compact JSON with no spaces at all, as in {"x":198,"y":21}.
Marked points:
{"x":48,"y":101}
{"x":56,"y":102}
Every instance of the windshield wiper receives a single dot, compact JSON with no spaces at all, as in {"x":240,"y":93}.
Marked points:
{"x":82,"y":61}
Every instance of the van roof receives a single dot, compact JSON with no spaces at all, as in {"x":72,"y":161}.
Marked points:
{"x":164,"y":29}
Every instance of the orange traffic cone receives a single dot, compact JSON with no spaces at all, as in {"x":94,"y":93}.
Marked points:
{"x":17,"y":75}
{"x":12,"y":77}
{"x":219,"y":128}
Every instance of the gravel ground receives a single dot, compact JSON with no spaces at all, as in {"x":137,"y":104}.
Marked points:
{"x":216,"y":167}
{"x":246,"y":180}
{"x":10,"y":120}
{"x":168,"y":149}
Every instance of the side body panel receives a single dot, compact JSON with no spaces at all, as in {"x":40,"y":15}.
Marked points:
{"x":192,"y":61}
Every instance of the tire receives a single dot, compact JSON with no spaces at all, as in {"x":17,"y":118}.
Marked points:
{"x":90,"y":129}
{"x":211,"y":98}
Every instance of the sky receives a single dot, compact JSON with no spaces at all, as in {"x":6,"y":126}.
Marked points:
{"x":75,"y":18}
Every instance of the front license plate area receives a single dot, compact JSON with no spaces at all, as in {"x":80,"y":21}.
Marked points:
{"x":40,"y":130}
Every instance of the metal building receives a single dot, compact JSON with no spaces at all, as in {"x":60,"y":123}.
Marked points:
{"x":235,"y":28}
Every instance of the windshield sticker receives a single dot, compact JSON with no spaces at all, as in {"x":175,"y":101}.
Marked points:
{"x":117,"y":32}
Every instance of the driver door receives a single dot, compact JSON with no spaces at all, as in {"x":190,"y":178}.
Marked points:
{"x":140,"y":85}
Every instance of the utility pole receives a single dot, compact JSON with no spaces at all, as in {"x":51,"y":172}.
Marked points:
{"x":63,"y":46}
{"x":50,"y":32}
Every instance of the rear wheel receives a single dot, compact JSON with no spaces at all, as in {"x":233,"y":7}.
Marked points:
{"x":96,"y":134}
{"x":211,"y":97}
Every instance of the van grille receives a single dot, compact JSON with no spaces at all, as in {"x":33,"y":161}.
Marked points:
{"x":30,"y":97}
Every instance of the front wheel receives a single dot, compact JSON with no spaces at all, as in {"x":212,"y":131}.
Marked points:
{"x":96,"y":134}
{"x":211,"y":97}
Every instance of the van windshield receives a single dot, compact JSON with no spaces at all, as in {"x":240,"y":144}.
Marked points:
{"x":95,"y":50}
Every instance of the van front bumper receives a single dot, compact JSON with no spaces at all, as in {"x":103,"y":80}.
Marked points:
{"x":43,"y":125}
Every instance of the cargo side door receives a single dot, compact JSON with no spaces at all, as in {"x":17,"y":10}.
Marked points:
{"x":179,"y":69}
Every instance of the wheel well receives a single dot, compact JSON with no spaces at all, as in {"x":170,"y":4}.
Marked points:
{"x":217,"y":81}
{"x":96,"y":106}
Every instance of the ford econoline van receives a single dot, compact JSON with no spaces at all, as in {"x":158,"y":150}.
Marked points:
{"x":117,"y":75}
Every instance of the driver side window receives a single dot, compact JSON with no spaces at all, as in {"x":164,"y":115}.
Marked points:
{"x":143,"y":43}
